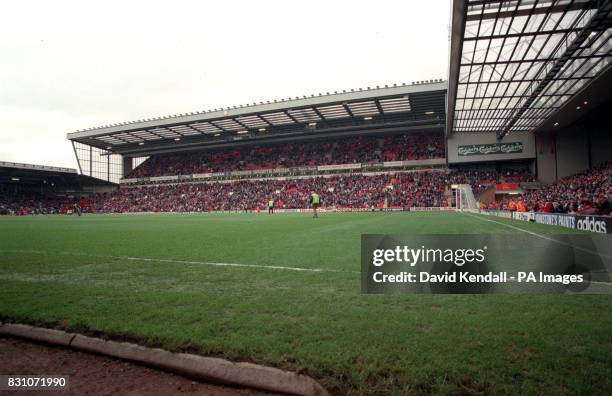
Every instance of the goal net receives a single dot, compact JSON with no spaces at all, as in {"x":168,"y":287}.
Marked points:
{"x":464,"y":197}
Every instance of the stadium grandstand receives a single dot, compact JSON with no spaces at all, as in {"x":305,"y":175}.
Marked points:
{"x":37,"y":189}
{"x":527,"y":94}
{"x":380,"y":148}
{"x":525,"y":107}
{"x":272,"y":126}
{"x":533,"y":77}
{"x":181,"y":247}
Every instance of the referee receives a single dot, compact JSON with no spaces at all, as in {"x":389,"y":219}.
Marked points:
{"x":315,"y":200}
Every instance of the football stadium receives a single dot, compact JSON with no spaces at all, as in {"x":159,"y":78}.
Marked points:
{"x":237,"y":234}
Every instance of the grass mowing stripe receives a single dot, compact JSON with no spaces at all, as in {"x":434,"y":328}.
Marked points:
{"x":313,"y":322}
{"x":274,"y":267}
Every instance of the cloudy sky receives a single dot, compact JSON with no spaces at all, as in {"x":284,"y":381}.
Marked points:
{"x":69,"y":65}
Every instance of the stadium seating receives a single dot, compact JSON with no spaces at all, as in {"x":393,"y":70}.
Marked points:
{"x":400,"y":190}
{"x":588,"y":193}
{"x":359,"y":149}
{"x":425,"y":188}
{"x":480,"y":180}
{"x":345,"y":191}
{"x":25,"y":204}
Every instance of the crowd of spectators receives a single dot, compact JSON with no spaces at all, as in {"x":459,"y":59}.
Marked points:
{"x":425,"y":188}
{"x":480,"y":180}
{"x":342,"y":191}
{"x":399,"y":190}
{"x":357,"y":149}
{"x":586,"y":193}
{"x":31,"y":204}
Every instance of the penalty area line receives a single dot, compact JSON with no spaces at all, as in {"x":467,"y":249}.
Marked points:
{"x":161,"y":260}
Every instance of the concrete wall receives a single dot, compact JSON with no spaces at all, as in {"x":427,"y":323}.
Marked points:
{"x":561,"y":154}
{"x":576,"y":148}
{"x":457,"y":139}
{"x":99,"y":189}
{"x":546,"y":158}
{"x":572,"y":151}
{"x":601,"y":147}
{"x":128,"y":165}
{"x":600,"y":135}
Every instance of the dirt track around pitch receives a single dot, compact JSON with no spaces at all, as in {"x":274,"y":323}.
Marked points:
{"x":99,"y":375}
{"x":200,"y":368}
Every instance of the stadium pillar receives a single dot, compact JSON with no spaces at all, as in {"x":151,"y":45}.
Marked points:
{"x":127,"y":165}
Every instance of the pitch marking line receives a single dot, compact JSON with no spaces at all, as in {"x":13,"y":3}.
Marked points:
{"x":216,"y":264}
{"x":540,"y":236}
{"x":548,"y":239}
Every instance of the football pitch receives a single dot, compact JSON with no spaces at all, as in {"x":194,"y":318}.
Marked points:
{"x":284,"y":290}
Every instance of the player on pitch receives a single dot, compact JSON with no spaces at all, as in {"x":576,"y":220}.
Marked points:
{"x":76,"y":209}
{"x":271,"y":206}
{"x":315,"y":200}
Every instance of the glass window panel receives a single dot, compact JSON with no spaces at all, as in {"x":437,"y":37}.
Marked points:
{"x":486,"y":27}
{"x":534,"y":22}
{"x":481,"y":50}
{"x":518,"y":23}
{"x":99,"y":163}
{"x":468,"y":49}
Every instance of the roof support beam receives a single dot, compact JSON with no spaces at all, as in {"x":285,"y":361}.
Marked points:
{"x":263,"y":120}
{"x":526,"y":11}
{"x":520,"y":81}
{"x":135,"y":137}
{"x":457,"y":29}
{"x":286,"y":112}
{"x":600,"y":18}
{"x":509,"y":62}
{"x":521,"y":34}
{"x":379,"y":107}
{"x":348,"y":110}
{"x":318,"y":113}
{"x":155,"y":134}
{"x":190,"y":127}
{"x":118,"y":138}
{"x":239,"y":123}
{"x":77,"y":158}
{"x":223,"y":129}
{"x":507,"y":97}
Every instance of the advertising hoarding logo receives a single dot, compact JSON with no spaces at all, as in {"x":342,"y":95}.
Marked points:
{"x":493,"y":148}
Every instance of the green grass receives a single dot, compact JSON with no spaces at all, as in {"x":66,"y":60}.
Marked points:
{"x":73,"y":273}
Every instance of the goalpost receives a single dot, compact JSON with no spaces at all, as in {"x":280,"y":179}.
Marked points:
{"x":464,"y":197}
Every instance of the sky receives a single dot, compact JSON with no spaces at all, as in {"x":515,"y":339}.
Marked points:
{"x":70,"y":65}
